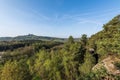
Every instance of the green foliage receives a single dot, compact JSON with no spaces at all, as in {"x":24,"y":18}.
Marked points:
{"x":108,"y":40}
{"x":70,"y":40}
{"x":84,"y":39}
{"x":15,"y":71}
{"x":89,"y":62}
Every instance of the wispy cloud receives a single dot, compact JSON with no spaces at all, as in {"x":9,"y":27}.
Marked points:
{"x":90,"y":21}
{"x":90,"y":17}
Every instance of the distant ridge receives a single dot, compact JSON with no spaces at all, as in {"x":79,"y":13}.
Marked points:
{"x":31,"y":37}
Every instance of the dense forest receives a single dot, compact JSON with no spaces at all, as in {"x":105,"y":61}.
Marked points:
{"x":70,"y":59}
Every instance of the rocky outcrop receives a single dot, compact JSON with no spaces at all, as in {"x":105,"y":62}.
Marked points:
{"x":109,"y":64}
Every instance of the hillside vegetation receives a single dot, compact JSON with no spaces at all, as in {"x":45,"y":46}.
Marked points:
{"x":94,"y":58}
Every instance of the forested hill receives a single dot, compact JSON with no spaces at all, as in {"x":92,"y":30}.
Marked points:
{"x":30,"y":37}
{"x":107,"y":41}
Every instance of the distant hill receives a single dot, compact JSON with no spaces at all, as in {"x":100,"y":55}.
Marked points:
{"x":31,"y":37}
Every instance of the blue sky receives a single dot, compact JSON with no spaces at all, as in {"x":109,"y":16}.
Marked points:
{"x":57,"y":18}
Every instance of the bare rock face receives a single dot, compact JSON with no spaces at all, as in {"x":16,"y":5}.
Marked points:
{"x":108,"y":64}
